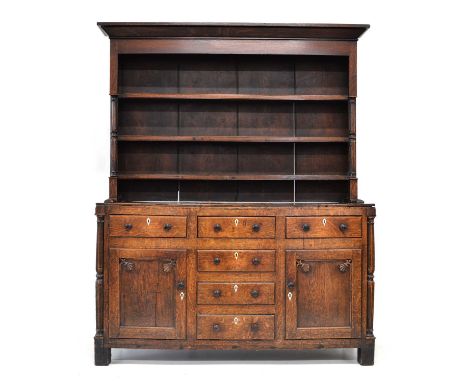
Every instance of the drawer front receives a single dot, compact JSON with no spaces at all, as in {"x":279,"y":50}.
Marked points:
{"x":231,"y":327}
{"x":236,"y":261}
{"x":323,"y":226}
{"x":148,"y":226}
{"x":237,"y":227}
{"x":236,"y":293}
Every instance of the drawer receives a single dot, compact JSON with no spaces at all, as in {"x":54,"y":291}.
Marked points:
{"x":236,"y":261}
{"x":237,"y":227}
{"x":323,"y":226}
{"x":240,"y":327}
{"x":262,"y":293}
{"x":148,"y":226}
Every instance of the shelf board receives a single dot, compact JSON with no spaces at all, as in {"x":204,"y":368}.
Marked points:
{"x":246,"y":97}
{"x":155,"y":176}
{"x":260,"y":139}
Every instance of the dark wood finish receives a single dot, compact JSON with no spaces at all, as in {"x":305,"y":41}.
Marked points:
{"x":205,"y":119}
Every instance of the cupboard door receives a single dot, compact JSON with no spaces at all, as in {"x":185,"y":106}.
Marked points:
{"x":147,"y":293}
{"x":323,"y":294}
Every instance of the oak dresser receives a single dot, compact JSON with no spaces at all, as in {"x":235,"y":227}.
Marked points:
{"x":233,"y":220}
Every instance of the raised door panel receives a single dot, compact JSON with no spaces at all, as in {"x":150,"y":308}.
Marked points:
{"x":323,"y":294}
{"x":147,"y":293}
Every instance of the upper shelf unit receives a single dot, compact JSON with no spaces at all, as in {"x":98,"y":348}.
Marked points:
{"x":232,"y":77}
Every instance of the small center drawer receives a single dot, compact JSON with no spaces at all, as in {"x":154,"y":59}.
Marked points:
{"x":236,"y":261}
{"x":236,"y":293}
{"x":237,"y":227}
{"x":148,"y":226}
{"x":231,"y":327}
{"x":323,"y":226}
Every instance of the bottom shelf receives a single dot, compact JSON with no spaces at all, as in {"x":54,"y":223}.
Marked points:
{"x":233,"y":191}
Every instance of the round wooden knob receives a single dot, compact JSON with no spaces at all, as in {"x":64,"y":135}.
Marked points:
{"x":180,"y":285}
{"x":217,"y":293}
{"x":256,"y":227}
{"x":255,"y":293}
{"x":254,"y":327}
{"x":290,"y":284}
{"x":343,"y":227}
{"x":216,"y":260}
{"x":167,"y":227}
{"x":216,"y":327}
{"x":255,"y":261}
{"x":217,"y":227}
{"x":128,"y":226}
{"x":306,"y":227}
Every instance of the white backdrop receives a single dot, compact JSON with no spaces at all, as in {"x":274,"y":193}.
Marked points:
{"x":54,"y":158}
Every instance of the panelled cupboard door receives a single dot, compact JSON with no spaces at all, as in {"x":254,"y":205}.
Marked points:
{"x":147,"y":293}
{"x":323,"y":296}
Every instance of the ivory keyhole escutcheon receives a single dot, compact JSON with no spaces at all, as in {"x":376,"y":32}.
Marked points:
{"x":236,"y":222}
{"x":182,"y":295}
{"x":236,"y":255}
{"x":290,"y":296}
{"x":324,"y":221}
{"x":236,"y":287}
{"x":148,"y":221}
{"x":236,"y":320}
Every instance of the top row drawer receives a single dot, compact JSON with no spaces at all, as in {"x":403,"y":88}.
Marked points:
{"x":148,"y":226}
{"x":237,"y":227}
{"x":249,"y":227}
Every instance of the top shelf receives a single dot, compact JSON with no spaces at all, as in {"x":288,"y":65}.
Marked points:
{"x":230,"y":96}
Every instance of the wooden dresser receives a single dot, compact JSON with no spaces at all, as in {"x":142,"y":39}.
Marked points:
{"x":233,"y":220}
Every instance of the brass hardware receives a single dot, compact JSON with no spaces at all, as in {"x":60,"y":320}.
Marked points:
{"x":128,"y":265}
{"x":304,"y":267}
{"x":345,"y":266}
{"x":169,"y":265}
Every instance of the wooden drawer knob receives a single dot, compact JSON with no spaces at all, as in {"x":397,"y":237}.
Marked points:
{"x":128,"y":226}
{"x":255,"y":261}
{"x":306,"y":227}
{"x":254,"y":327}
{"x":167,"y":227}
{"x":290,"y":284}
{"x":217,"y":227}
{"x":256,"y":227}
{"x":216,"y":260}
{"x":180,"y":285}
{"x":343,"y":227}
{"x":216,"y":327}
{"x":217,"y":293}
{"x":255,"y":293}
